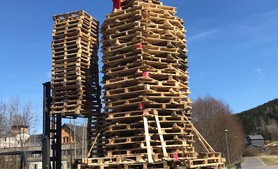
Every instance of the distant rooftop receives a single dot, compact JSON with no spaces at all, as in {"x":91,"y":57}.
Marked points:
{"x":256,"y":137}
{"x":34,"y":140}
{"x":19,"y":126}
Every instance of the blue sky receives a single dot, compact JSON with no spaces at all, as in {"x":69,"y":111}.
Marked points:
{"x":232,"y":47}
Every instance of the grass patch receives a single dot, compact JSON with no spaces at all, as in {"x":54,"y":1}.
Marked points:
{"x":269,"y":160}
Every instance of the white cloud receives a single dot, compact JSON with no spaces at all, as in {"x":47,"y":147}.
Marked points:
{"x":260,"y":73}
{"x":203,"y":35}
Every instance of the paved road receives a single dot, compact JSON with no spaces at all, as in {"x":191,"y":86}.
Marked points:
{"x":252,"y":163}
{"x":256,"y":163}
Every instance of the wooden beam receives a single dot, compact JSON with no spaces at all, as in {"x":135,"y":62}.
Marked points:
{"x":88,"y":155}
{"x":165,"y":154}
{"x":147,"y":138}
{"x":201,"y":138}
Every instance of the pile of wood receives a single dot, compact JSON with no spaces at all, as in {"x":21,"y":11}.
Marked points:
{"x":145,"y":82}
{"x":75,"y":86}
{"x":75,"y":73}
{"x":148,"y":119}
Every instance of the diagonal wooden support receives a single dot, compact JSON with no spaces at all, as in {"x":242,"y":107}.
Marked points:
{"x":147,"y":138}
{"x":89,"y":153}
{"x":165,"y":154}
{"x":203,"y":141}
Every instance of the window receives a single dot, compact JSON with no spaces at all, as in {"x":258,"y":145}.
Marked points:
{"x":65,"y":139}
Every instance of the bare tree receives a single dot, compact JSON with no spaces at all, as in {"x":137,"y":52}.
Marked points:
{"x":212,"y":117}
{"x":19,"y":117}
{"x":3,"y":125}
{"x":13,"y":113}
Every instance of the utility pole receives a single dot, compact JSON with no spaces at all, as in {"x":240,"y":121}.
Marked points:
{"x":227,"y":146}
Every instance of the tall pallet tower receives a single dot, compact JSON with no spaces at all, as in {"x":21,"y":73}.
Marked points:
{"x":75,"y":74}
{"x":147,"y":108}
{"x":145,"y":82}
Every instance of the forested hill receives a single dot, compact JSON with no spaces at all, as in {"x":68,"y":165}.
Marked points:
{"x":261,"y":120}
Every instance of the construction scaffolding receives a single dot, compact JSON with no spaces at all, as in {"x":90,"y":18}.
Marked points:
{"x":147,"y":108}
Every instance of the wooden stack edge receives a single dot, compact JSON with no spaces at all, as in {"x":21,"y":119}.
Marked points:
{"x":122,"y":165}
{"x":75,"y":65}
{"x":70,"y":23}
{"x":139,"y":162}
{"x":209,"y":159}
{"x":73,"y":15}
{"x":110,"y":116}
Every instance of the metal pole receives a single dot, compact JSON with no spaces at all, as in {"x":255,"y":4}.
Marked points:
{"x":227,"y":146}
{"x":70,"y":134}
{"x":26,"y":166}
{"x":59,"y":143}
{"x":46,"y":126}
{"x":21,"y":161}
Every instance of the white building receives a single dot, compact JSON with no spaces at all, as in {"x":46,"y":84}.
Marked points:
{"x":15,"y":138}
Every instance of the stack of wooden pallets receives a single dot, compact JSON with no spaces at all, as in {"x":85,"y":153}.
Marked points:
{"x":75,"y":74}
{"x":145,"y":82}
{"x":146,"y":89}
{"x":74,"y":64}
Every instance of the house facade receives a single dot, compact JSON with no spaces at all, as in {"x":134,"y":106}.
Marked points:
{"x":256,"y":141}
{"x":15,"y":138}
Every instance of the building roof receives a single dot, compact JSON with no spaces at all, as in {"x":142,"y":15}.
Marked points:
{"x":9,"y":134}
{"x":34,"y":140}
{"x":255,"y":137}
{"x":20,"y":126}
{"x":3,"y":133}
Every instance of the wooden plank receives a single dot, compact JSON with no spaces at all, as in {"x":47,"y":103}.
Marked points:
{"x":201,"y":138}
{"x":147,"y":138}
{"x":165,"y":154}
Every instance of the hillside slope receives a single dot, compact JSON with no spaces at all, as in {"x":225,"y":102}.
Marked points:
{"x":261,"y":120}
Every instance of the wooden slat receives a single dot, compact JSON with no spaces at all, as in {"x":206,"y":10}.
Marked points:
{"x":165,"y":154}
{"x":147,"y":137}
